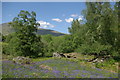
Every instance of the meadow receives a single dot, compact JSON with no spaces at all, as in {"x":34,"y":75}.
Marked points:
{"x":53,"y":68}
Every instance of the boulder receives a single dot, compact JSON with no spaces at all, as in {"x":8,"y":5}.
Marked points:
{"x":59,"y":55}
{"x":71,"y":55}
{"x":22,"y":60}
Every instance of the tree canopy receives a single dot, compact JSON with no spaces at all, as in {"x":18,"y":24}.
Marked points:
{"x":25,"y":42}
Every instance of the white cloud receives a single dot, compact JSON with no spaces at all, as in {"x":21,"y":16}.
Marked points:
{"x":80,"y":18}
{"x":44,"y":24}
{"x":74,"y":15}
{"x":69,"y":20}
{"x":57,"y":19}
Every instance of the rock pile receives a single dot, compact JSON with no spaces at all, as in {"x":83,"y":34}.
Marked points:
{"x":60,"y":55}
{"x":71,"y":55}
{"x":22,"y":60}
{"x":99,"y":59}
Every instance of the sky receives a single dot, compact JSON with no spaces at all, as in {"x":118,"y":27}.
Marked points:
{"x":56,"y":16}
{"x":51,"y":15}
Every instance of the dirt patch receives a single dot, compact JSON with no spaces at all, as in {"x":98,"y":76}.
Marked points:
{"x":45,"y":67}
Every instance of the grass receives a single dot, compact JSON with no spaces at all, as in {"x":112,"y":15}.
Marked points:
{"x":106,"y":65}
{"x":54,"y":68}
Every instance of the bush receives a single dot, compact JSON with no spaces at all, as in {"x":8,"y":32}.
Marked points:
{"x":46,"y":38}
{"x":17,"y":47}
{"x":107,"y":63}
{"x":94,"y":48}
{"x":9,"y":37}
{"x":4,"y":47}
{"x":57,"y":41}
{"x":66,"y":47}
{"x":84,"y":48}
{"x":110,"y":61}
{"x":48,"y":45}
{"x":115,"y":55}
{"x":99,"y":65}
{"x":48,"y":49}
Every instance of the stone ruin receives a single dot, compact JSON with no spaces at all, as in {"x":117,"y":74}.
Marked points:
{"x":61,"y":55}
{"x":103,"y":55}
{"x":22,"y":60}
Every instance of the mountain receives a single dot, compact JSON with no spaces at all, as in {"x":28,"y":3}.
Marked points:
{"x":6,"y":29}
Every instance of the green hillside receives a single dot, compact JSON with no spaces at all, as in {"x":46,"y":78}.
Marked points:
{"x":6,"y":29}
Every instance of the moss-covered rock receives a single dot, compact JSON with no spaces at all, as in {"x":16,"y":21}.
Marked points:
{"x":22,"y":60}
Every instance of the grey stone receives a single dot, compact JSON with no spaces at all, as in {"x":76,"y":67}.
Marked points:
{"x":22,"y":60}
{"x":59,"y":55}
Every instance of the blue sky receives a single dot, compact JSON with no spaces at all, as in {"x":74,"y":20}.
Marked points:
{"x":51,"y":15}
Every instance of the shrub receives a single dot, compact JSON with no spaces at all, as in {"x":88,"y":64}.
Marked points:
{"x":66,"y":47}
{"x":99,"y":65}
{"x":48,"y":45}
{"x":4,"y":47}
{"x":48,"y":49}
{"x":84,"y":48}
{"x":91,"y":49}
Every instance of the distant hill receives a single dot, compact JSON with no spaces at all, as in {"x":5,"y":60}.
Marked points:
{"x":6,"y":29}
{"x":48,"y":31}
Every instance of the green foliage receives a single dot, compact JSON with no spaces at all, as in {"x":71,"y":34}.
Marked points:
{"x":25,"y":42}
{"x":97,"y":47}
{"x":99,"y":65}
{"x":115,"y":54}
{"x":9,"y":37}
{"x":91,"y":49}
{"x":100,"y":31}
{"x":57,"y":41}
{"x":84,"y":49}
{"x":66,"y":47}
{"x":48,"y":45}
{"x":106,"y":64}
{"x":2,"y":37}
{"x":99,"y":18}
{"x":63,"y":44}
{"x":47,"y":38}
{"x":4,"y":47}
{"x":7,"y":56}
{"x":74,"y":27}
{"x":116,"y":30}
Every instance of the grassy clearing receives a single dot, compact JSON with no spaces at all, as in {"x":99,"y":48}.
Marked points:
{"x":106,"y":65}
{"x":109,"y":65}
{"x":55,"y":68}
